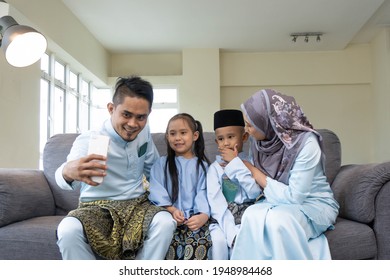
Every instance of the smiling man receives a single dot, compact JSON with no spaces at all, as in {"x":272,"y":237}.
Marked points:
{"x":115,"y":220}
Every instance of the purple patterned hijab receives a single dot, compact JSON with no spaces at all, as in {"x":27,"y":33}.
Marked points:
{"x":285,"y":127}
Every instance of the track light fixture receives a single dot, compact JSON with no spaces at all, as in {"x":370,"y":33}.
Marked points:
{"x":21,"y":44}
{"x":306,"y":36}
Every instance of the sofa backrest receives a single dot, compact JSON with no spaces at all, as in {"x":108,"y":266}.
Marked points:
{"x":54,"y":154}
{"x":332,"y":150}
{"x":58,"y":147}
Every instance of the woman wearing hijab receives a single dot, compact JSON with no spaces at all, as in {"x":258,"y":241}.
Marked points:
{"x":298,"y":205}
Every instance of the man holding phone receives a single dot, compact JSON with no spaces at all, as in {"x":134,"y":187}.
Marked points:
{"x":115,"y":220}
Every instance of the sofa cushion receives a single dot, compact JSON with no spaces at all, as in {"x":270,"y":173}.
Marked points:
{"x":56,"y":150}
{"x":24,"y":194}
{"x":356,"y":188}
{"x":32,"y":239}
{"x":351,"y":241}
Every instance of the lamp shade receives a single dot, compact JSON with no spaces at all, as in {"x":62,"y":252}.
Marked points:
{"x":22,"y":45}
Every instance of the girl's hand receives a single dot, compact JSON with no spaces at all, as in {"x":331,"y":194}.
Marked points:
{"x":195,"y":222}
{"x":178,"y":216}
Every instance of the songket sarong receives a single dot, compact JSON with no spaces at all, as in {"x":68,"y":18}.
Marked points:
{"x":237,"y":210}
{"x":116,"y":229}
{"x":190,"y":245}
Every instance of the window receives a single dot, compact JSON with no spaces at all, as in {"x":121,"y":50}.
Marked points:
{"x":67,"y":101}
{"x":71,"y":124}
{"x":84,"y":106}
{"x":44,"y":101}
{"x":99,"y":100}
{"x":165,"y":106}
{"x":57,"y":115}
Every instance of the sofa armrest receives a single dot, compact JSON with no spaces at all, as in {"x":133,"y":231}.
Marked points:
{"x":24,"y":194}
{"x":356,"y":188}
{"x":382,"y":222}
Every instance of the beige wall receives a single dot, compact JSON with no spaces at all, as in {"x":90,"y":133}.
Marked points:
{"x":346,"y":91}
{"x":19,"y":115}
{"x":381,"y":98}
{"x":334,"y":89}
{"x":170,"y":64}
{"x":199,"y":92}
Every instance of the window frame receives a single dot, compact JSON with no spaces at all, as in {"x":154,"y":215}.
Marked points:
{"x":81,"y":95}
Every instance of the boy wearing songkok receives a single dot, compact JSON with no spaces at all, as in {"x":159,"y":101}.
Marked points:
{"x":230,"y":185}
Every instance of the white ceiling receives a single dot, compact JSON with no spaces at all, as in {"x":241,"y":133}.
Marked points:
{"x":124,"y":26}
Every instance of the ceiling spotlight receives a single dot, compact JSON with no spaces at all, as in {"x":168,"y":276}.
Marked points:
{"x":294,"y":39}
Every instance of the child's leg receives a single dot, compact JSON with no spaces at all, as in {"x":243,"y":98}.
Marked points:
{"x":219,"y":250}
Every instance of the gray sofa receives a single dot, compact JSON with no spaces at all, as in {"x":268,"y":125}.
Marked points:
{"x":31,"y":205}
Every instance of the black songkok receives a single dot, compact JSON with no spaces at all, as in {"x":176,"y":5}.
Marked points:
{"x":228,"y":117}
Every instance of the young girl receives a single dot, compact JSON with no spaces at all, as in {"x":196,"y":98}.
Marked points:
{"x":178,"y":183}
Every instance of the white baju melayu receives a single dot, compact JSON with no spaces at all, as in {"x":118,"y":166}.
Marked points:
{"x":225,"y":230}
{"x":289,"y":223}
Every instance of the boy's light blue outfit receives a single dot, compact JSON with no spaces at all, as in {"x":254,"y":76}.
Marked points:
{"x":127,"y":163}
{"x":225,"y":230}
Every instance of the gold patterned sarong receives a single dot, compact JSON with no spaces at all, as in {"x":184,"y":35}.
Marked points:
{"x":190,"y":245}
{"x":116,"y":229}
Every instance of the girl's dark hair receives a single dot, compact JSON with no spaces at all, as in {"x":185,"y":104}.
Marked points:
{"x":199,"y":150}
{"x":132,"y":86}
